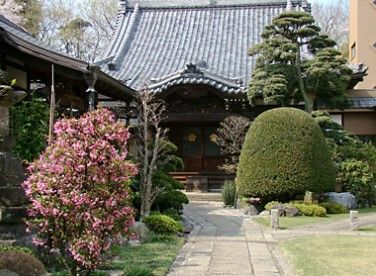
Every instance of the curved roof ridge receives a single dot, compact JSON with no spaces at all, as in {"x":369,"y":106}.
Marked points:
{"x":206,"y":3}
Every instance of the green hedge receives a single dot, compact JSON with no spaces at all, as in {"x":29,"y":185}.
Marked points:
{"x":284,"y":154}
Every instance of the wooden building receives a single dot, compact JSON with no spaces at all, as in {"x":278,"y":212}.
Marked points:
{"x":30,"y":62}
{"x":194,"y":55}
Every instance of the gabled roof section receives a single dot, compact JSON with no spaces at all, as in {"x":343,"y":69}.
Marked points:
{"x":192,"y":74}
{"x":154,"y":39}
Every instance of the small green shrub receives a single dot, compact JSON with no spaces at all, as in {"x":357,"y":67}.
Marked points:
{"x":21,"y":263}
{"x":173,"y":213}
{"x":229,"y":193}
{"x":334,"y":208}
{"x":171,"y":199}
{"x":311,"y":210}
{"x":29,"y":126}
{"x":162,"y":224}
{"x":284,"y":154}
{"x":270,"y":205}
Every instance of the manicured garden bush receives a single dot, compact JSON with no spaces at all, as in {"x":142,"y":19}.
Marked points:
{"x":284,"y":154}
{"x":171,"y":199}
{"x":173,"y":213}
{"x":229,"y":193}
{"x":311,"y":210}
{"x":162,"y":224}
{"x":24,"y":264}
{"x":78,"y":189}
{"x":334,"y":208}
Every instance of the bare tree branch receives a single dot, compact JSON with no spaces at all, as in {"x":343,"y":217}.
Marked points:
{"x":152,"y":139}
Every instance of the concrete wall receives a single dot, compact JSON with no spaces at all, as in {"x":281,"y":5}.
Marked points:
{"x":363,"y":37}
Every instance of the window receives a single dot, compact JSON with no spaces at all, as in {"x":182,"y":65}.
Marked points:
{"x":353,"y":51}
{"x":337,"y":118}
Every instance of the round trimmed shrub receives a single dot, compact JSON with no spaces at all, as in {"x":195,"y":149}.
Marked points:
{"x":284,"y":154}
{"x":311,"y":210}
{"x":22,"y":263}
{"x":162,"y":224}
{"x":171,"y":199}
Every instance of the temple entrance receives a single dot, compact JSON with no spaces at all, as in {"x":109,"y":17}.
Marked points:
{"x":197,"y":147}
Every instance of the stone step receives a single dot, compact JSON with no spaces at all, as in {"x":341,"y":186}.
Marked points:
{"x":195,"y":196}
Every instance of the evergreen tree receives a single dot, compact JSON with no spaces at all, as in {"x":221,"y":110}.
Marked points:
{"x":296,"y":63}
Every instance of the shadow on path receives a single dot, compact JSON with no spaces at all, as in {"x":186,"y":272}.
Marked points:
{"x":225,"y":242}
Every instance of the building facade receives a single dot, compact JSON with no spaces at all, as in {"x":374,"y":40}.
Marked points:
{"x":362,"y":40}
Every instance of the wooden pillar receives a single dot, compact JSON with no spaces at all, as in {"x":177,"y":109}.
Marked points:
{"x":91,"y":79}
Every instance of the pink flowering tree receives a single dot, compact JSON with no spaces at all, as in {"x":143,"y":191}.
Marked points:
{"x":78,"y":189}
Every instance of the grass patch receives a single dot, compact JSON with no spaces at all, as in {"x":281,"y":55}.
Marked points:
{"x":154,"y":257}
{"x":293,"y":222}
{"x":369,"y":228}
{"x":332,"y":255}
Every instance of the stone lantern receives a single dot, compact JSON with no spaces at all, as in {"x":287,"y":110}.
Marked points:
{"x":12,"y":198}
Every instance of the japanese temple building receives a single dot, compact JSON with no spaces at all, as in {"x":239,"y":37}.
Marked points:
{"x":194,"y":55}
{"x":29,"y":61}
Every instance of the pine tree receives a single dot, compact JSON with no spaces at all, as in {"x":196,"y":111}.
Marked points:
{"x":296,"y":63}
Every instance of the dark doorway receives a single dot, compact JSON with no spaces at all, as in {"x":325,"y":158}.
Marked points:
{"x":197,"y":147}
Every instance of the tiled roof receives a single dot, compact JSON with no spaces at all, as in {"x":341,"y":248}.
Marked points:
{"x":158,"y":39}
{"x":364,"y":102}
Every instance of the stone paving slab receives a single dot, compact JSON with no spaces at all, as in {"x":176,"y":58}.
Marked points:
{"x":225,"y":242}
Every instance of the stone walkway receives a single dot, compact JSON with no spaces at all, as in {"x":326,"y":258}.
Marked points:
{"x":224,"y":242}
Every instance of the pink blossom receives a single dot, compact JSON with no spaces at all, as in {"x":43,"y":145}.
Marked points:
{"x":78,"y":188}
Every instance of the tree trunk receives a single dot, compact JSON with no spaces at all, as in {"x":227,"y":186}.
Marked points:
{"x":309,"y":99}
{"x":145,"y":207}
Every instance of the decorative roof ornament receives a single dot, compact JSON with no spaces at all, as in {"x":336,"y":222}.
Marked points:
{"x":122,"y":6}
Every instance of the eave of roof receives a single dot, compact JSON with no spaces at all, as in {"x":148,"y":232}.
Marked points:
{"x":19,"y":39}
{"x":192,"y":74}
